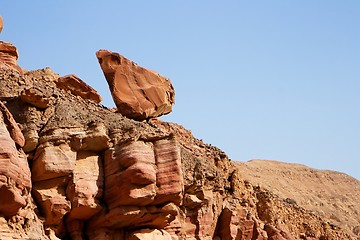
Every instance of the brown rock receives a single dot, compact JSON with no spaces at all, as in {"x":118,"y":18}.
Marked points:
{"x":12,"y":126}
{"x":9,"y":56}
{"x":78,"y":87}
{"x":133,"y":217}
{"x":149,"y":234}
{"x":94,"y":138}
{"x":15,"y":181}
{"x":52,"y":162}
{"x":276,"y":234}
{"x":138,"y":93}
{"x":35,"y":98}
{"x":51,"y":198}
{"x":1,"y":24}
{"x":238,"y":224}
{"x":130,"y":175}
{"x":169,"y":177}
{"x":86,"y":186}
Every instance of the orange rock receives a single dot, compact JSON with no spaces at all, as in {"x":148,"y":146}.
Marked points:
{"x":52,"y":162}
{"x":138,"y":93}
{"x":9,"y":56}
{"x":169,"y":177}
{"x":12,"y":126}
{"x":1,"y":24}
{"x":35,"y":98}
{"x":149,"y":234}
{"x":15,"y":182}
{"x":86,"y":187}
{"x":130,"y":175}
{"x":78,"y":87}
{"x":50,"y":197}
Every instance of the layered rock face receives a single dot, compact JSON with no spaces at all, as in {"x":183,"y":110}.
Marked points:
{"x":73,"y":169}
{"x":9,"y":56}
{"x":15,"y":181}
{"x":138,"y":93}
{"x":1,"y":24}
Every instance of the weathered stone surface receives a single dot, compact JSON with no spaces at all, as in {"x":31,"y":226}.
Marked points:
{"x":169,"y":177}
{"x":131,"y":217}
{"x":238,"y":224}
{"x":9,"y":56}
{"x":52,"y":162}
{"x":51,"y":198}
{"x":78,"y":87}
{"x":15,"y":181}
{"x":130,"y":174}
{"x":11,"y":125}
{"x":86,"y":186}
{"x":276,"y":234}
{"x":1,"y":24}
{"x":35,"y":98}
{"x":149,"y":234}
{"x":138,"y":93}
{"x":94,"y":138}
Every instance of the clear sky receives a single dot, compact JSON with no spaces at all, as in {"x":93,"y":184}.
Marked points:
{"x":260,"y":79}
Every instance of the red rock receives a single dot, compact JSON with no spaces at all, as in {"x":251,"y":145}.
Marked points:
{"x":138,"y":93}
{"x":1,"y":24}
{"x":78,"y":87}
{"x":133,"y":216}
{"x":35,"y":98}
{"x":52,"y":162}
{"x":237,"y":224}
{"x":51,"y":198}
{"x":12,"y":126}
{"x":9,"y":56}
{"x":276,"y":234}
{"x":130,"y":175}
{"x":75,"y":228}
{"x":86,"y":186}
{"x":149,"y":234}
{"x":15,"y":180}
{"x":169,"y":177}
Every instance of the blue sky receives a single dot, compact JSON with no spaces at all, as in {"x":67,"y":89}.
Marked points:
{"x":259,"y":79}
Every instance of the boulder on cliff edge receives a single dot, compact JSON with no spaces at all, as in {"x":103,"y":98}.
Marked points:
{"x":9,"y":56}
{"x":1,"y":24}
{"x":138,"y":93}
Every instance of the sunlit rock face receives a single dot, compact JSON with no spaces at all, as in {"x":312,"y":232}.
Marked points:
{"x":78,"y":87}
{"x":9,"y":56}
{"x":15,"y":181}
{"x":138,"y":93}
{"x":1,"y":24}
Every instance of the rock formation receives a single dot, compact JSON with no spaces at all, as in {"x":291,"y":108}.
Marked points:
{"x":77,"y":87}
{"x":74,"y":169}
{"x":138,"y":93}
{"x":9,"y":56}
{"x":1,"y":24}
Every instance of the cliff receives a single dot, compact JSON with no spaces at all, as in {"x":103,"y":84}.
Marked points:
{"x":71,"y":168}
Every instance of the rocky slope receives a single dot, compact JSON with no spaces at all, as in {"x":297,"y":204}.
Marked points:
{"x":332,"y":195}
{"x":71,"y":168}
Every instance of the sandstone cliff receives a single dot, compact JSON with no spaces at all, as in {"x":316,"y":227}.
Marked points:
{"x":71,"y":168}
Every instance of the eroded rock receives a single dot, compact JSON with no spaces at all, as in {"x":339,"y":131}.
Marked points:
{"x":1,"y":24}
{"x":78,"y":87}
{"x":86,"y":186}
{"x":9,"y":56}
{"x":138,"y":93}
{"x":15,"y":181}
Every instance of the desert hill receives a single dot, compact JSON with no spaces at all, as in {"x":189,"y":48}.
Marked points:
{"x":332,"y":195}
